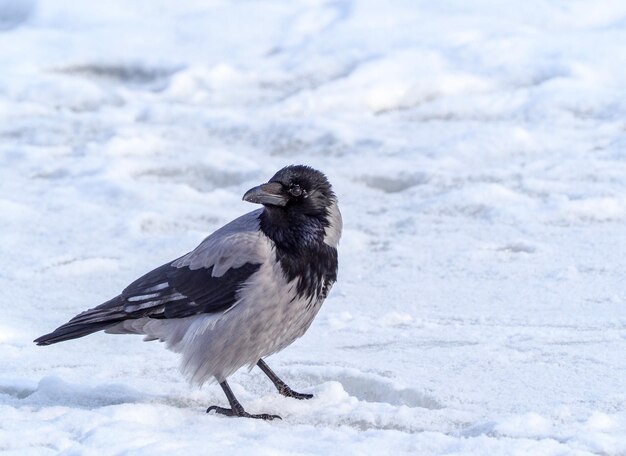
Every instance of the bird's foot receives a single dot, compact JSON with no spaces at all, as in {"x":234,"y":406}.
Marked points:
{"x":288,"y":392}
{"x":241,"y":413}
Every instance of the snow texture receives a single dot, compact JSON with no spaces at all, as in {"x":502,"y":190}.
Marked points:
{"x":478,"y":150}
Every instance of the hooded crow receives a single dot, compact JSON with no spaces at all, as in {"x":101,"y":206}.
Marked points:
{"x":248,"y":290}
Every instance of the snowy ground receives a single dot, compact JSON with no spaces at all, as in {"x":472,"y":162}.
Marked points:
{"x":479,"y":153}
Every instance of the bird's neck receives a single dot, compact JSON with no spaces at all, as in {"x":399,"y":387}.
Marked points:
{"x":301,"y":251}
{"x":293,"y":233}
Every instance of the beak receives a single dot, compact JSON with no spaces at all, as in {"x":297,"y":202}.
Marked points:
{"x":270,"y":193}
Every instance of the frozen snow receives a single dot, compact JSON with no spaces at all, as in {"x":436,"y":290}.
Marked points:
{"x":478,"y":151}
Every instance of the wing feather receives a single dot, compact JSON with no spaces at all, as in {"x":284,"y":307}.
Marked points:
{"x":205,"y":280}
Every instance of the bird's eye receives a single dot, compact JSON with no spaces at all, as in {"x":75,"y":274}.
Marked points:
{"x":295,"y":190}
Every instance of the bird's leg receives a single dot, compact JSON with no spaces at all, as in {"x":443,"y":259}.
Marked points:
{"x":281,"y":386}
{"x":236,"y":409}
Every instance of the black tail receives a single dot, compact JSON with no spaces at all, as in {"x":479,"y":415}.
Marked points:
{"x":90,"y":321}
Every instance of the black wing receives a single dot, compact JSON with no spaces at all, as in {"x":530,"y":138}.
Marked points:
{"x":176,"y":292}
{"x":206,"y":280}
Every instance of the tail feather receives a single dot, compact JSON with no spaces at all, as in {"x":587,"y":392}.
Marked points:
{"x":88,"y":322}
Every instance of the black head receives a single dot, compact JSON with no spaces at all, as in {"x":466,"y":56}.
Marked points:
{"x":297,"y":202}
{"x":297,"y":189}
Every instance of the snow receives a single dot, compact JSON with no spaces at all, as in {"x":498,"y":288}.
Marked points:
{"x":477,"y":149}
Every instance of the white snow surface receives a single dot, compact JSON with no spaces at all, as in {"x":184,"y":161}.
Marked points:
{"x":478,"y":150}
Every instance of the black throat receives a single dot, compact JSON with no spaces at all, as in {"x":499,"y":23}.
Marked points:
{"x":300,"y":249}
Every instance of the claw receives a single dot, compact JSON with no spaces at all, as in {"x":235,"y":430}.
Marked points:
{"x":281,"y":386}
{"x":241,"y":413}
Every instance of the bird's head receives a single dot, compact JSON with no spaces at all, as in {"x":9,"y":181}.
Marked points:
{"x":295,"y":189}
{"x":300,"y":208}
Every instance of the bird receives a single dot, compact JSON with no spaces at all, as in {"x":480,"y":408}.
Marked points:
{"x":247,"y":291}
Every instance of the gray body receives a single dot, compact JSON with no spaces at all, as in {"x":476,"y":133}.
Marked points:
{"x":267,"y":316}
